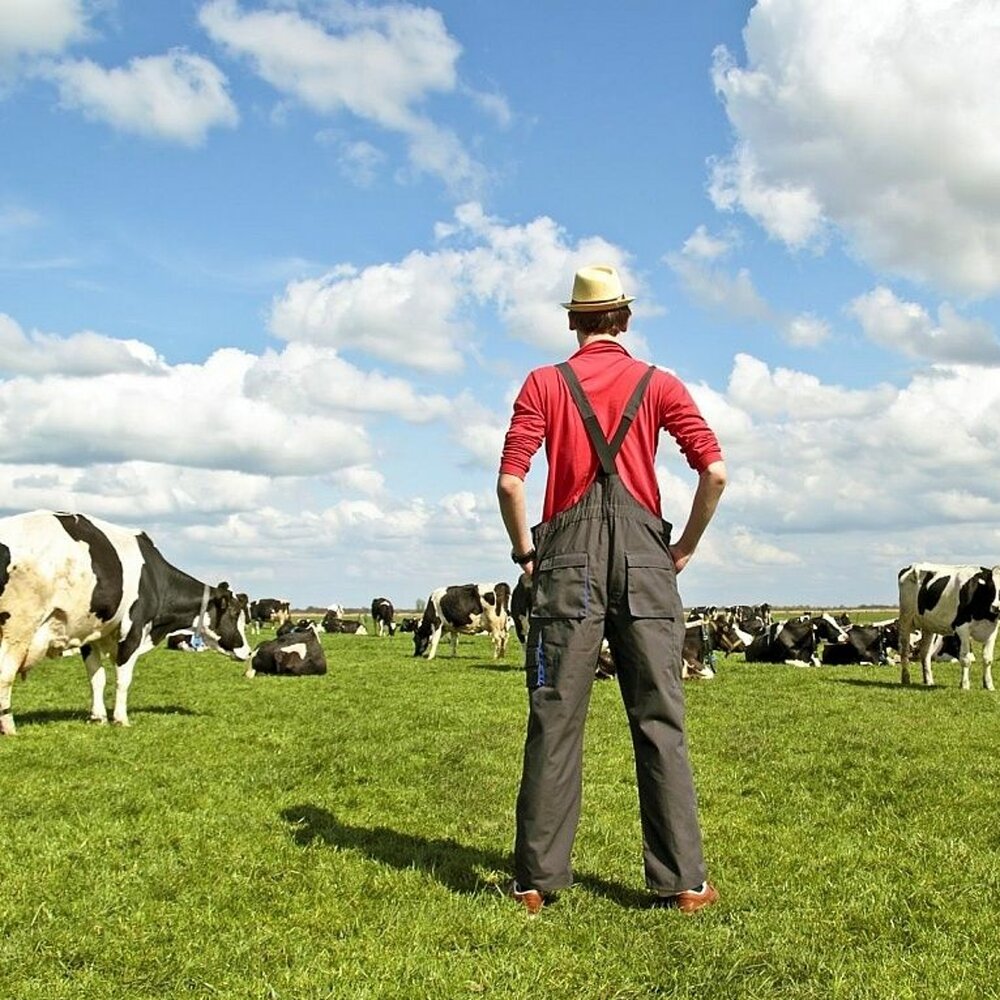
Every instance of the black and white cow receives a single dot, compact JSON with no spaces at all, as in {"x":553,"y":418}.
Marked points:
{"x":862,"y":644}
{"x":73,"y":582}
{"x":409,"y":624}
{"x":520,"y":607}
{"x":335,"y":624}
{"x":382,"y":615}
{"x":464,"y":609}
{"x":296,"y":653}
{"x":288,"y":626}
{"x":268,"y":611}
{"x":794,"y":642}
{"x":940,"y":599}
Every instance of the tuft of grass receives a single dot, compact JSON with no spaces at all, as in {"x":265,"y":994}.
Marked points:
{"x":349,"y":836}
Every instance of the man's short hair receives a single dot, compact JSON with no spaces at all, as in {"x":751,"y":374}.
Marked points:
{"x":608,"y":321}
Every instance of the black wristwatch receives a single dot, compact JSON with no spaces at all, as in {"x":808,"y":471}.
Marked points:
{"x":521,"y":560}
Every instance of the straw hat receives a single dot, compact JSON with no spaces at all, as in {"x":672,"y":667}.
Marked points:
{"x":597,"y":288}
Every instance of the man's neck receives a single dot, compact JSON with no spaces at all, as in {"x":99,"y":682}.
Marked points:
{"x":584,"y":340}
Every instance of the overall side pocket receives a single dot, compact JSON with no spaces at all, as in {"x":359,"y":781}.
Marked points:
{"x":561,"y":585}
{"x":651,"y":585}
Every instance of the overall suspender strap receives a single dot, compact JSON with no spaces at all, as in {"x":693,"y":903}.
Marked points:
{"x":605,"y":452}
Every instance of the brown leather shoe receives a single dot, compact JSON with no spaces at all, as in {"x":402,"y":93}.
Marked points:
{"x":692,"y":900}
{"x":531,"y":899}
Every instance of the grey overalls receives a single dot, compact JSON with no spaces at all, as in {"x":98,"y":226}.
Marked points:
{"x":603,"y":569}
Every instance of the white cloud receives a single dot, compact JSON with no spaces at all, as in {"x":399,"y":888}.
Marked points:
{"x":749,"y":547}
{"x":84,"y":353}
{"x":414,"y":312}
{"x":733,"y":294}
{"x":378,"y":63}
{"x":879,"y":119}
{"x":189,"y":415}
{"x":177,"y":96}
{"x":360,"y":162}
{"x":806,"y":330}
{"x":700,"y":270}
{"x":130,"y":492}
{"x":907,"y":327}
{"x":493,"y":104}
{"x":702,"y":245}
{"x":39,"y":27}
{"x":403,"y":312}
{"x":306,"y":379}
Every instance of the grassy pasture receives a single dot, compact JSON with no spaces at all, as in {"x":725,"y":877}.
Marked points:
{"x":349,"y":836}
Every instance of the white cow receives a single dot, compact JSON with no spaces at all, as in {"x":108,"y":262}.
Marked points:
{"x":944,"y":600}
{"x":464,"y":609}
{"x":70,"y":582}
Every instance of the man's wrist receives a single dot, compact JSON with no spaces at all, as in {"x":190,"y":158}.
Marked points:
{"x":520,"y":560}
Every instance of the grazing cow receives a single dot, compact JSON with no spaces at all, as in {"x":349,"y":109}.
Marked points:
{"x":73,"y":582}
{"x":296,"y":654}
{"x":408,"y":625}
{"x":268,"y":611}
{"x":464,"y":610}
{"x":863,"y":644}
{"x":382,"y":614}
{"x":945,"y":600}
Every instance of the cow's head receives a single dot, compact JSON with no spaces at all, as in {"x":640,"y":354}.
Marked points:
{"x":995,"y":605}
{"x":224,"y":628}
{"x":422,"y":637}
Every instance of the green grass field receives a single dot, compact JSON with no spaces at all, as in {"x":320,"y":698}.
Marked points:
{"x":349,"y":836}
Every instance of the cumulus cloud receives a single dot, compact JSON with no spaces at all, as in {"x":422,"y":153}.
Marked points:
{"x":417,"y":312}
{"x":131,"y":492}
{"x":879,"y":120}
{"x":377,"y":63}
{"x":907,"y":327}
{"x":306,"y":379}
{"x":189,"y":415}
{"x":178,"y":97}
{"x":84,"y":353}
{"x":40,"y":27}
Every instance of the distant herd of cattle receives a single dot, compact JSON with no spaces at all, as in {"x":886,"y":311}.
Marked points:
{"x":75,"y":584}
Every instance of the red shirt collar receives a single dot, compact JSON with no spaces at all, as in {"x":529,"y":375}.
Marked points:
{"x":601,"y":347}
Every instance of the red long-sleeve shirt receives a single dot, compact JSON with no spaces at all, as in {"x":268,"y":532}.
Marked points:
{"x":544,"y":409}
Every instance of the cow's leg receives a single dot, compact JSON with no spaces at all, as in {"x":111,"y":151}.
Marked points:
{"x":905,"y":626}
{"x":924,"y":655}
{"x":98,"y":677}
{"x":988,"y":648}
{"x":454,"y":643}
{"x":433,"y":647}
{"x":123,"y":680}
{"x":10,"y":663}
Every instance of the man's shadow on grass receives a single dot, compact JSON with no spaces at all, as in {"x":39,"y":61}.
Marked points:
{"x":456,"y":866}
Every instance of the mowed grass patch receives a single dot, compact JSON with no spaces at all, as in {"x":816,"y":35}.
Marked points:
{"x":349,"y":836}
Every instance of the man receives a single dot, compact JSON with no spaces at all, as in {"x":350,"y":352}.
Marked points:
{"x":602,"y":564}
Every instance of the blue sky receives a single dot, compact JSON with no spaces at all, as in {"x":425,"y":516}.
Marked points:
{"x":272,"y":273}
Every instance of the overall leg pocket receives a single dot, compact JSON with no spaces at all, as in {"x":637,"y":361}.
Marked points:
{"x":651,"y":585}
{"x":561,"y":586}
